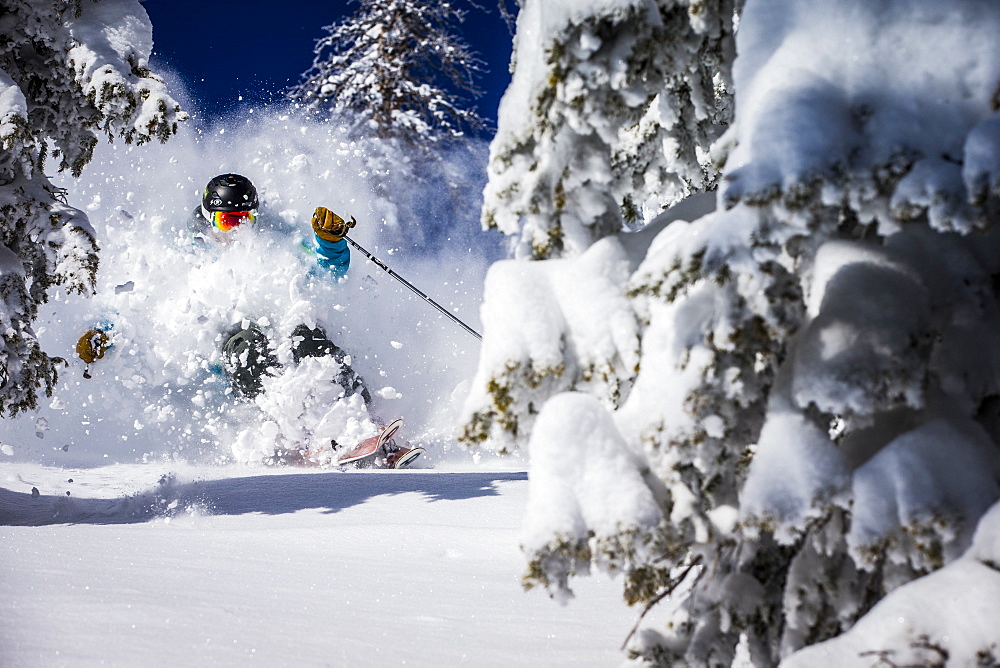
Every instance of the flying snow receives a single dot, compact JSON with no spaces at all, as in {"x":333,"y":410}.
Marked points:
{"x":166,"y":304}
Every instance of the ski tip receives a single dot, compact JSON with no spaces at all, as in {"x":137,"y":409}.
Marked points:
{"x":390,"y":430}
{"x":394,"y":424}
{"x":408,"y":458}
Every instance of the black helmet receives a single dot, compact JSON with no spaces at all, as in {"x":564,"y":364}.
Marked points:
{"x":230,"y":192}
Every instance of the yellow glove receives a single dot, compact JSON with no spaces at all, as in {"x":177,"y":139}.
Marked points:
{"x":329,"y":226}
{"x":92,"y":346}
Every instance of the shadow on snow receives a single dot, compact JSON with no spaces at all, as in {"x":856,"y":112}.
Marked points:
{"x":266,"y":494}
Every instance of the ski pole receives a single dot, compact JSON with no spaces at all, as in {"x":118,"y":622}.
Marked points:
{"x":385,"y":267}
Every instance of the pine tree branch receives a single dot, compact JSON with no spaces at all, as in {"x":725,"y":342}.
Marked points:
{"x":676,"y":582}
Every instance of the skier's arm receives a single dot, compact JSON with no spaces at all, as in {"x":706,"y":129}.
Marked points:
{"x":331,"y":249}
{"x":333,"y":255}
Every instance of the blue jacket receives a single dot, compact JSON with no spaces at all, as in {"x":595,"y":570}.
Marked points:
{"x":333,"y":255}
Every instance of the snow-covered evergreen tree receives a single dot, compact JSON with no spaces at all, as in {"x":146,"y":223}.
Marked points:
{"x":70,"y":70}
{"x":609,"y":113}
{"x":395,"y":70}
{"x":395,"y":74}
{"x":780,"y":411}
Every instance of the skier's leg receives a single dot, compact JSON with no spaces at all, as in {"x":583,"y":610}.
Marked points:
{"x":247,"y":357}
{"x":353,"y":383}
{"x":313,"y":342}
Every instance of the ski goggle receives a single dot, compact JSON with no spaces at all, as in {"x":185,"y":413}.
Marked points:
{"x":224,"y":221}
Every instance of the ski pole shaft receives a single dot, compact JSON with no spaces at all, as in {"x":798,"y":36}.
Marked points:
{"x":386,"y":269}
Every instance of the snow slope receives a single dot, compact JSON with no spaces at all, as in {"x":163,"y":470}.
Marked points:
{"x":222,"y":565}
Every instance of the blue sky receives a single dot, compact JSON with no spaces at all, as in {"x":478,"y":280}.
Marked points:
{"x":255,"y":49}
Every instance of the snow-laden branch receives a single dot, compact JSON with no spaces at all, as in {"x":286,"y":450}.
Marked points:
{"x":608,"y":118}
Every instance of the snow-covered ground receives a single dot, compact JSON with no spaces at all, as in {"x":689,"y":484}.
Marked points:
{"x":179,"y":565}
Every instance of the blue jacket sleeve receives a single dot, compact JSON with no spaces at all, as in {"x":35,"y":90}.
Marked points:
{"x":333,"y":255}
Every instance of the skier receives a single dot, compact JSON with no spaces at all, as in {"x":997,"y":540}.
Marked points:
{"x":230,"y":201}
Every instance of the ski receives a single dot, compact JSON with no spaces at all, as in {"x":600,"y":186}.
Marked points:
{"x":382,"y":450}
{"x":402,"y":457}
